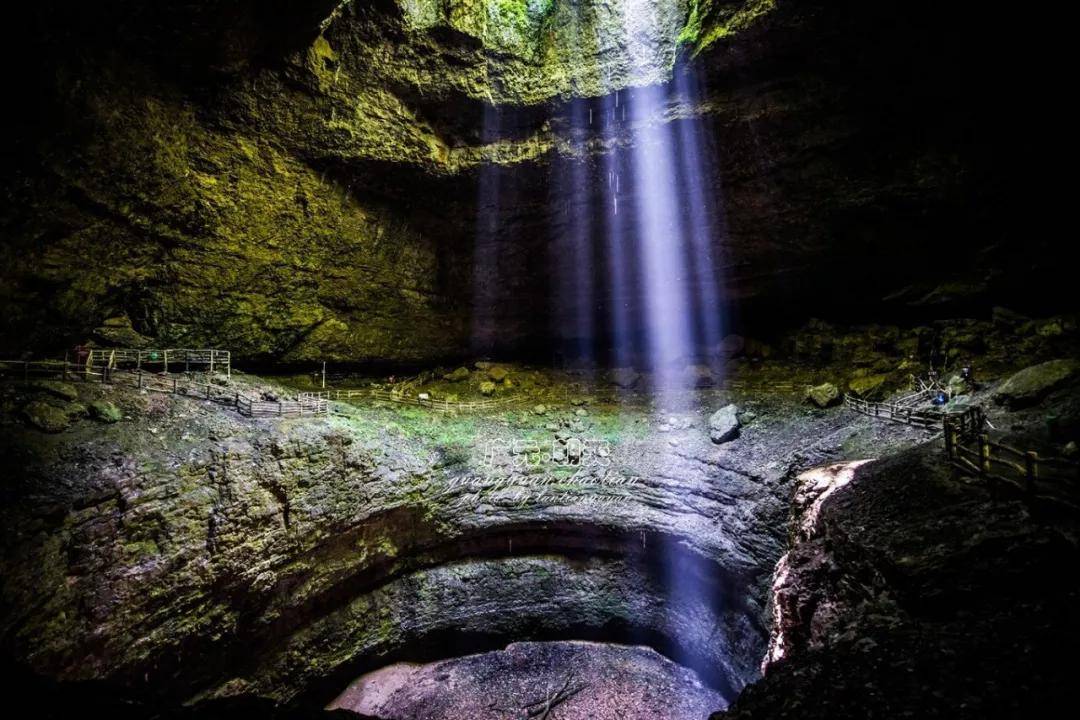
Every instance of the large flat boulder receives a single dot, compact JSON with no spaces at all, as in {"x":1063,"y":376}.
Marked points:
{"x":1032,"y":384}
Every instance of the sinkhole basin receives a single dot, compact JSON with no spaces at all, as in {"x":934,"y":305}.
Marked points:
{"x":192,"y":556}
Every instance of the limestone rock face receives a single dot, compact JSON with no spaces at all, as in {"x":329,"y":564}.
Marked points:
{"x":1032,"y":384}
{"x":217,"y":551}
{"x":304,"y":182}
{"x":868,"y":576}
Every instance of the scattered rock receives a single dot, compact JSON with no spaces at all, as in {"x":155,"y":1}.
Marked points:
{"x":540,"y":409}
{"x":757,"y":349}
{"x":498,"y":373}
{"x":731,"y":346}
{"x":482,"y":365}
{"x":105,"y":411}
{"x":1053,"y":328}
{"x":625,"y":377}
{"x":46,"y":417}
{"x":62,"y":390}
{"x":458,"y":375}
{"x":724,"y":424}
{"x":1006,"y":317}
{"x":1070,"y":449}
{"x":823,"y":395}
{"x":581,"y":412}
{"x":1032,"y":384}
{"x":699,"y":376}
{"x":866,"y":386}
{"x":487,"y":388}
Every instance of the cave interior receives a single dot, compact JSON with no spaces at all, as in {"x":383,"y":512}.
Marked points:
{"x":536,"y":359}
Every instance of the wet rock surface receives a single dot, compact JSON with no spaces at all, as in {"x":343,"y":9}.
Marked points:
{"x":185,"y":550}
{"x":566,"y":680}
{"x":283,"y":558}
{"x":912,"y":592}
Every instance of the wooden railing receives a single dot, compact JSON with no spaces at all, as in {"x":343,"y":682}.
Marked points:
{"x":969,"y":448}
{"x":902,"y":411}
{"x":175,"y":384}
{"x":27,"y":370}
{"x":209,"y":359}
{"x":992,"y":461}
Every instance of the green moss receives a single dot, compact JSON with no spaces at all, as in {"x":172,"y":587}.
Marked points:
{"x":712,"y":20}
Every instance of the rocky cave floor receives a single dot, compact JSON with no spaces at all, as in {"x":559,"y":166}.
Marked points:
{"x":161,"y":550}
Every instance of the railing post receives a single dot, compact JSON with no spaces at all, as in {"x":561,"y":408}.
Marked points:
{"x":174,"y":388}
{"x":211,"y":361}
{"x":1031,"y":466}
{"x":165,"y":357}
{"x":984,"y":455}
{"x":26,"y":372}
{"x":950,"y":439}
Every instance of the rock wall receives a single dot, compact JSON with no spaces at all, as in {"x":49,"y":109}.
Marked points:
{"x":315,"y":181}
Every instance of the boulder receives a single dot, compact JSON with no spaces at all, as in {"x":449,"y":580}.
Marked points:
{"x":46,"y":417}
{"x":867,"y":385}
{"x":625,"y":377}
{"x":498,"y":373}
{"x":1032,"y":384}
{"x":1004,"y":317}
{"x":118,"y":332}
{"x":540,"y":409}
{"x":1050,"y":328}
{"x":724,"y":424}
{"x":56,"y":388}
{"x":757,"y":349}
{"x":487,"y":388}
{"x":105,"y":411}
{"x":814,"y":341}
{"x":731,"y":346}
{"x":458,"y":375}
{"x":699,"y":376}
{"x":823,"y":395}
